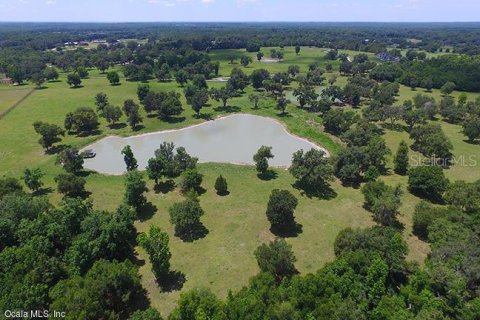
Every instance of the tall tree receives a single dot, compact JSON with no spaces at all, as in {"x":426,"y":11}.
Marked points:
{"x":185,"y":216}
{"x":261,"y":159}
{"x":70,"y":160}
{"x":401,"y":159}
{"x":276,"y":258}
{"x":50,"y":133}
{"x":129,"y":158}
{"x":135,"y":188}
{"x":155,"y":242}
{"x":280,"y":209}
{"x":33,"y":178}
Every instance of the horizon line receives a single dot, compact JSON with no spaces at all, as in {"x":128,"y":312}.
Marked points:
{"x":237,"y":21}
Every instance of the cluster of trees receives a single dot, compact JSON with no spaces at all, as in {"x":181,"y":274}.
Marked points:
{"x":54,"y":257}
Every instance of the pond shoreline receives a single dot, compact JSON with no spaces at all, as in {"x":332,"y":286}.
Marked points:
{"x":209,"y":122}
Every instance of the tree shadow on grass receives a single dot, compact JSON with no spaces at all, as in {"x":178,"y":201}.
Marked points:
{"x":173,"y":281}
{"x":268,"y":175}
{"x":140,"y":300}
{"x":57,"y":149}
{"x":165,"y":186}
{"x":324,"y":192}
{"x":174,"y":119}
{"x":42,"y":192}
{"x":197,"y":232}
{"x":84,"y":134}
{"x":146,"y":212}
{"x":223,"y":194}
{"x":85,"y":173}
{"x":474,"y":142}
{"x":290,"y":231}
{"x":138,"y":127}
{"x":432,"y":198}
{"x":117,"y":126}
{"x":284,"y":115}
{"x":204,"y":116}
{"x":394,"y":127}
{"x":227,"y":109}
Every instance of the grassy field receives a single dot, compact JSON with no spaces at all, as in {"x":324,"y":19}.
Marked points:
{"x":236,"y":223}
{"x":9,"y":95}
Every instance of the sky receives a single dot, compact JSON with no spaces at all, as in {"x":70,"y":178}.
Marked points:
{"x":239,"y":10}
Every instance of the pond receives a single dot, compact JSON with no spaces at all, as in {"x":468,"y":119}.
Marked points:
{"x":231,"y":139}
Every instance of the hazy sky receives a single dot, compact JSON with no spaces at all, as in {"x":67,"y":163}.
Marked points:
{"x":239,"y":10}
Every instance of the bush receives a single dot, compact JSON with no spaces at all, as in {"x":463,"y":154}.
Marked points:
{"x":280,"y":209}
{"x":191,"y":180}
{"x":185,"y":216}
{"x":221,"y":185}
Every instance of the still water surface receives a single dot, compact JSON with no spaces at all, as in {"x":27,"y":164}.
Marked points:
{"x":232,"y":139}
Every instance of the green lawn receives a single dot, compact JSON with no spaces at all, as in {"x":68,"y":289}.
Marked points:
{"x":236,"y":223}
{"x":9,"y":95}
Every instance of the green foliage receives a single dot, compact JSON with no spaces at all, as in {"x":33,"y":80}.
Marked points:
{"x":464,"y":195}
{"x":432,"y":142}
{"x":198,"y":304}
{"x":280,"y":208}
{"x":238,"y":80}
{"x":50,"y":133}
{"x":338,"y":121}
{"x":148,"y":314}
{"x":185,"y":216}
{"x":104,"y":235}
{"x":74,"y":80}
{"x":9,"y":185}
{"x":156,"y":245}
{"x":113,"y":78}
{"x":448,"y":88}
{"x":221,"y":185}
{"x":305,"y":94}
{"x":311,"y":169}
{"x":101,"y":101}
{"x":258,"y":77}
{"x":384,"y":242}
{"x":33,"y":178}
{"x":135,"y":187}
{"x":471,"y":128}
{"x":261,"y":159}
{"x":82,"y":120}
{"x":428,"y":181}
{"x":384,"y":201}
{"x":142,"y":91}
{"x":112,"y":114}
{"x":276,"y":258}
{"x":70,"y":160}
{"x":129,"y":158}
{"x":107,"y":290}
{"x":70,"y":185}
{"x":401,"y":160}
{"x":191,"y":179}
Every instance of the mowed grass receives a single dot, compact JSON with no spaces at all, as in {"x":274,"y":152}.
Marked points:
{"x":9,"y":95}
{"x":237,"y":224}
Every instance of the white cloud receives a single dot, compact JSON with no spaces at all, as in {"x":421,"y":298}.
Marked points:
{"x":207,"y":1}
{"x":49,"y":2}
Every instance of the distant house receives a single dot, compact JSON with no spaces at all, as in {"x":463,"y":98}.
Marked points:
{"x":387,"y":57}
{"x":6,"y":80}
